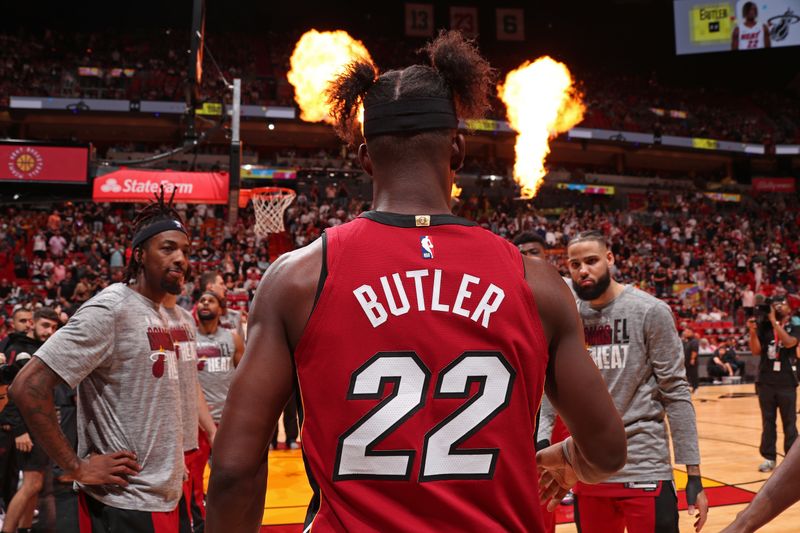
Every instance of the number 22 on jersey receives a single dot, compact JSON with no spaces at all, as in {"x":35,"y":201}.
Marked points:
{"x":356,"y":457}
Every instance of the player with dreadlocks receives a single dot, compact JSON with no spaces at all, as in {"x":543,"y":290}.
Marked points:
{"x":420,"y":353}
{"x":118,"y":351}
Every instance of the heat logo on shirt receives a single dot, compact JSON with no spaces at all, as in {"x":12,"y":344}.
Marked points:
{"x":213,"y":358}
{"x":427,"y":247}
{"x":162,"y":353}
{"x":608,"y":344}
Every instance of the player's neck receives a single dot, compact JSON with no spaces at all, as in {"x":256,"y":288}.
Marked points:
{"x":209,"y":327}
{"x":614,"y":290}
{"x":413,"y":191}
{"x":154,"y":295}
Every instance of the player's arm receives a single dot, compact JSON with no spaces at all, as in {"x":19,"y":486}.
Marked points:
{"x":779,"y":492}
{"x":767,"y":41}
{"x":32,"y":392}
{"x":598,"y":446}
{"x":238,"y":347}
{"x":665,"y":351}
{"x":204,"y":416}
{"x":265,"y":378}
{"x":735,"y":39}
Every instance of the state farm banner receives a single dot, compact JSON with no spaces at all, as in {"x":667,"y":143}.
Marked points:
{"x":774,"y":185}
{"x":31,"y":162}
{"x":129,"y":185}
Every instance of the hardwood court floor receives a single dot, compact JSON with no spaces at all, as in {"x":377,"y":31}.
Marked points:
{"x":729,"y":426}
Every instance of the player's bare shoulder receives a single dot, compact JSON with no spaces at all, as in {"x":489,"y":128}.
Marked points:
{"x":289,"y":286}
{"x":553,"y":297}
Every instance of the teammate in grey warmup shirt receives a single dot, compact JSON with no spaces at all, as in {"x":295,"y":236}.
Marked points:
{"x":118,"y":351}
{"x":632,"y":338}
{"x":123,"y":338}
{"x":218,"y":352}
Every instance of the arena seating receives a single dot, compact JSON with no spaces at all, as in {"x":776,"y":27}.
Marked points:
{"x":102,"y":65}
{"x":706,"y":252}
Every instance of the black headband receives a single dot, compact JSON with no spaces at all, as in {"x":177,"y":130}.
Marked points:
{"x":409,"y":114}
{"x":215,"y":295}
{"x":155,"y":228}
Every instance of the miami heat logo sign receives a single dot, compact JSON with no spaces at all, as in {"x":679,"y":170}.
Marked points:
{"x":779,"y":25}
{"x":25,"y":162}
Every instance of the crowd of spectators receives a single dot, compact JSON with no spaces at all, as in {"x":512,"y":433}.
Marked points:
{"x":154,"y":67}
{"x":706,"y":259}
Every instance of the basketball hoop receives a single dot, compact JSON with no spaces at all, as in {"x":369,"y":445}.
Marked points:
{"x":269,"y":203}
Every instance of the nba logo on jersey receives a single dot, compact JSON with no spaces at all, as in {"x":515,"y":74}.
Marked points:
{"x":427,"y":247}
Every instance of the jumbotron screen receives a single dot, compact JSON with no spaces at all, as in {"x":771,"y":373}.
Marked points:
{"x":744,"y":25}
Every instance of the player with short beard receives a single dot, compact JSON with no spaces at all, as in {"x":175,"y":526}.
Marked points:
{"x":118,"y":351}
{"x":632,"y":338}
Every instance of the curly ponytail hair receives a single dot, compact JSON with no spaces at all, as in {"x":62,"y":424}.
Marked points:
{"x":159,"y":209}
{"x":456,"y":71}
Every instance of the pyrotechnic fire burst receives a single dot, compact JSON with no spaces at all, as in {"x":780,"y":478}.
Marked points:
{"x":317,"y":59}
{"x":541,"y":102}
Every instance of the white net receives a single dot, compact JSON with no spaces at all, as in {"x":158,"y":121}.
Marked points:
{"x":269,"y":206}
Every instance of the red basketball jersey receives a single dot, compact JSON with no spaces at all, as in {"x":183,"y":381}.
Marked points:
{"x":421,"y":370}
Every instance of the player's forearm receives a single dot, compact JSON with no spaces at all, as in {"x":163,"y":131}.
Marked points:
{"x":235,"y":499}
{"x":597,"y":461}
{"x":683,"y":430}
{"x":32,"y":391}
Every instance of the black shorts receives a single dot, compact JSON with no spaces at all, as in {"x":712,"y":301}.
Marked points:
{"x":35,"y":460}
{"x":97,"y":517}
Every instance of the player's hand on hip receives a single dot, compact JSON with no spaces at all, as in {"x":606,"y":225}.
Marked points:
{"x":556,"y":475}
{"x":107,"y":469}
{"x":24,"y":443}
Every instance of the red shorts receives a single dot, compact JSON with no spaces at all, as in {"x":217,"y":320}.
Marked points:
{"x":612,"y":507}
{"x":97,"y":517}
{"x":191,"y":512}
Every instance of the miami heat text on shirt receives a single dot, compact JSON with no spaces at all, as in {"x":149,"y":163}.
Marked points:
{"x":608,"y":343}
{"x":391,"y":296}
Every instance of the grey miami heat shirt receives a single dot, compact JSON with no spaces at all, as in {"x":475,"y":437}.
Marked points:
{"x":215,"y":362}
{"x":634,"y":343}
{"x":118,"y":351}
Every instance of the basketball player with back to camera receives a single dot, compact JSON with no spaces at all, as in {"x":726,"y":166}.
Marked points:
{"x":118,"y":351}
{"x":632,"y":338}
{"x":420,"y":342}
